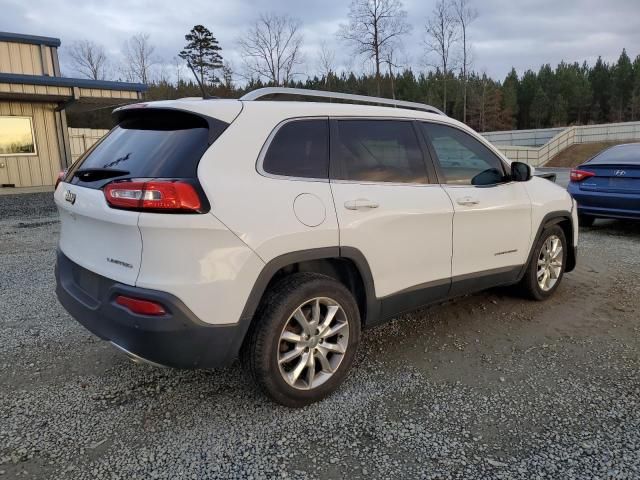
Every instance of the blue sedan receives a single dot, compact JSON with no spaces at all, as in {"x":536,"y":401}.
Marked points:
{"x":608,"y":185}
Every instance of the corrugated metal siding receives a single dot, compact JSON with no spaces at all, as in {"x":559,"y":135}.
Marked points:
{"x":83,"y":138}
{"x":25,"y":59}
{"x":40,"y":169}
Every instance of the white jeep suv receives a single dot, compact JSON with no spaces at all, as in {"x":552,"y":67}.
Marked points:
{"x":199,"y":230}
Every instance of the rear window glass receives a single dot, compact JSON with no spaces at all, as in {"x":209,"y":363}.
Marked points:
{"x":150,"y":144}
{"x":626,"y":154}
{"x":299,"y":149}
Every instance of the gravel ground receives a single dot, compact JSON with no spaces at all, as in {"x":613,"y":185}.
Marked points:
{"x":486,"y":386}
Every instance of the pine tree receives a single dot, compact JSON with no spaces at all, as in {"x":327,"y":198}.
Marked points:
{"x":539,"y":108}
{"x":600,"y":80}
{"x":622,"y":85}
{"x":202,"y":54}
{"x":510,"y":99}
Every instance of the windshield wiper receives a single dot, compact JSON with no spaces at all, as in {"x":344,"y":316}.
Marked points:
{"x":93,"y":174}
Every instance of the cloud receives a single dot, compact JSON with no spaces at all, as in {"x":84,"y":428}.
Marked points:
{"x":523,"y":34}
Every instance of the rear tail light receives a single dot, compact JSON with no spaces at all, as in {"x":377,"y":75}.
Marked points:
{"x":141,"y":307}
{"x":157,"y":195}
{"x":61,"y":176}
{"x":579,"y":175}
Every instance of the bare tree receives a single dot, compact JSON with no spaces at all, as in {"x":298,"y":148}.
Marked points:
{"x":138,"y":54}
{"x":89,"y":59}
{"x":326,"y":62}
{"x":392,"y":62}
{"x":373,"y":27}
{"x":441,"y":34}
{"x":465,"y":15}
{"x":271,"y":48}
{"x":178,"y":67}
{"x":227,"y":75}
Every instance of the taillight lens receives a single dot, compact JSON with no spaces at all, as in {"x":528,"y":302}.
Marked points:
{"x":158,"y":195}
{"x":141,"y":307}
{"x":61,"y":176}
{"x":579,"y":175}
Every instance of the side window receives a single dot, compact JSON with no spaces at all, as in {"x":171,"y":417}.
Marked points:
{"x":300,"y":148}
{"x":463,"y":160}
{"x":377,"y":151}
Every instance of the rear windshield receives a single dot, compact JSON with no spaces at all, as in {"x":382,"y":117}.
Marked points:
{"x":622,"y":154}
{"x":151,"y":143}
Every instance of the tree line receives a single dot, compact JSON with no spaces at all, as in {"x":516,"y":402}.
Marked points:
{"x":271,"y":53}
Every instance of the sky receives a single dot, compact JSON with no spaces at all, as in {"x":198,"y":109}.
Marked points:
{"x":507,"y":33}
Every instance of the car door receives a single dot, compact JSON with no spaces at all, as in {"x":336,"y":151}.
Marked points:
{"x":389,"y":209}
{"x":492,"y":214}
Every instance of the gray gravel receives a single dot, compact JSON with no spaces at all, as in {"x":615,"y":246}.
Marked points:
{"x":486,"y":386}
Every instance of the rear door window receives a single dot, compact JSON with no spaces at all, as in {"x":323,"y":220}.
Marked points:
{"x":463,"y":160}
{"x":152,"y":143}
{"x":377,"y":151}
{"x":300,"y":148}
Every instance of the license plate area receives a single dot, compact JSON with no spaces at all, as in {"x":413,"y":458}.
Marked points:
{"x":87,"y":281}
{"x":624,"y":183}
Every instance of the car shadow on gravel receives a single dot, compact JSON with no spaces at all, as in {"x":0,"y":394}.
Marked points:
{"x":622,"y":228}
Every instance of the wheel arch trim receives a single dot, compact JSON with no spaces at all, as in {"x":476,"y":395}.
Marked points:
{"x":324,"y":253}
{"x":550,"y":219}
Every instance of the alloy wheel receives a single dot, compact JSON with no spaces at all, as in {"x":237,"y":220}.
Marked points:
{"x":313,"y":343}
{"x":549,"y":263}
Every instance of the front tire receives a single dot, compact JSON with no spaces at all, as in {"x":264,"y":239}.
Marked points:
{"x":304,"y":339}
{"x":547,"y":264}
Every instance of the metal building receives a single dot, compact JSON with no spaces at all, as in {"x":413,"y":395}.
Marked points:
{"x":34,"y":138}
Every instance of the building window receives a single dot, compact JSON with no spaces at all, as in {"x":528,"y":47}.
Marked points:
{"x":16,"y":136}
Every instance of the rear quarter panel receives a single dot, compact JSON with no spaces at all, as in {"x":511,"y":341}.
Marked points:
{"x":259,"y":209}
{"x":197,"y":259}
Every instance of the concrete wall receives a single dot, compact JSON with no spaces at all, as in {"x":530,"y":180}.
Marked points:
{"x":42,"y":168}
{"x":523,"y":138}
{"x":538,"y":156}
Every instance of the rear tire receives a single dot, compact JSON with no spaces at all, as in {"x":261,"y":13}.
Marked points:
{"x":585,"y":220}
{"x":304,"y":339}
{"x":546,"y":267}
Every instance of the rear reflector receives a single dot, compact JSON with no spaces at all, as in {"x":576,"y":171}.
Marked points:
{"x":579,"y":175}
{"x":139,"y":306}
{"x":159,"y":195}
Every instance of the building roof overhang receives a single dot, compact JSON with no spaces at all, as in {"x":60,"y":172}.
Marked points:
{"x":40,"y":88}
{"x":32,"y":39}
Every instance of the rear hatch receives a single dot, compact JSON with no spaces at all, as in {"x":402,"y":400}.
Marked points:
{"x":159,"y":147}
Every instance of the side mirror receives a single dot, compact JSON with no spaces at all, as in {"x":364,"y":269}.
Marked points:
{"x":520,"y":172}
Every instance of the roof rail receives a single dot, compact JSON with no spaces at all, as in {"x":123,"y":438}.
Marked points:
{"x":303,"y":92}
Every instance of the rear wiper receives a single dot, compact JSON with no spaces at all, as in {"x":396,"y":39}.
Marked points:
{"x":93,"y":174}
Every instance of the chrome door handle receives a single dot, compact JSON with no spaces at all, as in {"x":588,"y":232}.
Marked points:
{"x":467,"y":201}
{"x":360,"y":204}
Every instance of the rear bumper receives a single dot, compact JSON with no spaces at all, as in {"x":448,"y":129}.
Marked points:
{"x":606,"y":204}
{"x":609,"y":212}
{"x":178,"y":339}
